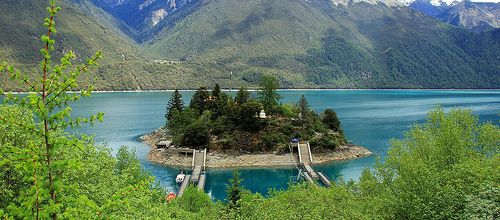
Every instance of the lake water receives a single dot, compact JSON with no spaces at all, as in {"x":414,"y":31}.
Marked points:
{"x":370,"y":118}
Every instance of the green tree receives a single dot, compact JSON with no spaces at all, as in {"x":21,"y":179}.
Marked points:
{"x":220,"y":105}
{"x":437,"y":167}
{"x":216,"y":91}
{"x":304,"y":110}
{"x":242,"y":96}
{"x":174,"y":104}
{"x":248,"y":116}
{"x":200,"y":100}
{"x":196,"y":132}
{"x":53,"y":174}
{"x":194,"y":200}
{"x":234,"y":190}
{"x":268,"y":94}
{"x":330,"y":120}
{"x":49,"y":100}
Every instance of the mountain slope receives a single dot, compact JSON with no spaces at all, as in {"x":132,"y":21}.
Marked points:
{"x":306,"y":44}
{"x":144,"y":18}
{"x":475,"y":16}
{"x":319,"y":44}
{"x":78,"y":31}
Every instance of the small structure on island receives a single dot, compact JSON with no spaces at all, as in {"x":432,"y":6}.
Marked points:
{"x":262,"y":114}
{"x":163,"y":144}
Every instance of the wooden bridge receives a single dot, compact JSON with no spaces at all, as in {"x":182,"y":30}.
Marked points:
{"x":305,"y":160}
{"x":198,"y":175}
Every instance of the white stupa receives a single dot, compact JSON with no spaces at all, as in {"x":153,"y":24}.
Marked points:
{"x":262,"y":114}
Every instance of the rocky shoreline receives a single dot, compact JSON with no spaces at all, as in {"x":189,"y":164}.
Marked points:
{"x":171,"y":157}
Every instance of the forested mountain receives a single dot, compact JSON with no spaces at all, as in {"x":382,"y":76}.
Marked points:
{"x":313,"y":44}
{"x":320,"y":44}
{"x":83,"y":28}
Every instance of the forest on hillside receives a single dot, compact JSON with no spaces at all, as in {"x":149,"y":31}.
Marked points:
{"x":303,"y":44}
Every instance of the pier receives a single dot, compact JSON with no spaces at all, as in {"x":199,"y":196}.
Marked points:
{"x":198,"y":175}
{"x":305,"y":160}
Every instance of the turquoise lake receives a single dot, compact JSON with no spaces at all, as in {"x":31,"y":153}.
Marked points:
{"x":370,"y":118}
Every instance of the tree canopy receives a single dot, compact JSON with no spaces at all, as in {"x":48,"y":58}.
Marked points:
{"x":268,"y":94}
{"x":174,"y":104}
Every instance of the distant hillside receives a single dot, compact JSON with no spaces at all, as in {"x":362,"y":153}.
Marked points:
{"x":306,"y":44}
{"x":79,"y":29}
{"x":318,"y":44}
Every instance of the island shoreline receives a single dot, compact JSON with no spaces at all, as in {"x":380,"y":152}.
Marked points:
{"x":218,"y":160}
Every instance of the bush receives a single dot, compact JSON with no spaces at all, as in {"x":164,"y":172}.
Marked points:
{"x":331,"y":120}
{"x":197,"y":134}
{"x":286,"y":111}
{"x":248,"y":113}
{"x":272,"y":139}
{"x":194,"y":200}
{"x":327,"y":141}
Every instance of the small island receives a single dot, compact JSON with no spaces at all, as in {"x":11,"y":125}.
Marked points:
{"x":246,"y":131}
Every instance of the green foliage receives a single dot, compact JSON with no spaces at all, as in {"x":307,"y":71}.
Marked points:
{"x":242,"y":96}
{"x":326,"y":141}
{"x":304,"y":110}
{"x":216,"y":91}
{"x":271,"y":140}
{"x":194,"y":200}
{"x":48,"y":173}
{"x":180,"y":122}
{"x":484,"y":205}
{"x":200,"y":100}
{"x":331,"y":120}
{"x":197,"y":134}
{"x":234,"y":190}
{"x":437,"y":171}
{"x":221,"y":105}
{"x":248,"y":116}
{"x":438,"y":165}
{"x":174,"y":104}
{"x":237,"y":125}
{"x":189,"y":129}
{"x":49,"y":102}
{"x":268,"y":94}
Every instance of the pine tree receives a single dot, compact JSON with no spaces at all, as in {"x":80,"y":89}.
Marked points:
{"x":216,"y":91}
{"x":234,"y":190}
{"x":200,"y":100}
{"x":242,"y":96}
{"x":174,"y":104}
{"x":268,"y":94}
{"x":304,"y":110}
{"x":331,"y":120}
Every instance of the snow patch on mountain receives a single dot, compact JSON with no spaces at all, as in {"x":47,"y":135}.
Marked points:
{"x":145,"y":4}
{"x":158,"y":15}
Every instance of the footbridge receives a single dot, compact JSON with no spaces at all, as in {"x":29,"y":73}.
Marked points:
{"x":305,"y":160}
{"x":198,"y":176}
